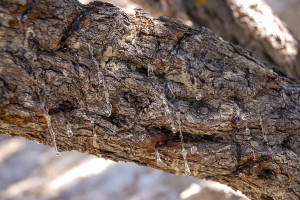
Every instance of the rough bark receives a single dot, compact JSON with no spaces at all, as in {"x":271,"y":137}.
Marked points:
{"x":251,"y":24}
{"x":66,"y":64}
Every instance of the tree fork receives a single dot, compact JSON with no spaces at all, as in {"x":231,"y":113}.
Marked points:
{"x":124,"y":86}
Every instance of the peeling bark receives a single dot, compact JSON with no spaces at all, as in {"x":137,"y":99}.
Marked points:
{"x":127,"y":87}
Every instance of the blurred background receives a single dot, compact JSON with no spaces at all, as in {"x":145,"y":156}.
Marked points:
{"x":288,"y":10}
{"x":29,"y":170}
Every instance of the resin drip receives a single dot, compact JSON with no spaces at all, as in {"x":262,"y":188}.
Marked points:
{"x":198,"y":96}
{"x":101,"y":82}
{"x":184,"y":152}
{"x":170,"y":87}
{"x":262,"y":129}
{"x":92,"y":124}
{"x":247,"y":130}
{"x":48,"y":120}
{"x":193,"y":150}
{"x":19,"y":18}
{"x":150,"y":71}
{"x":69,"y":130}
{"x":168,"y":113}
{"x":52,"y":133}
{"x":64,"y":120}
{"x":158,"y":160}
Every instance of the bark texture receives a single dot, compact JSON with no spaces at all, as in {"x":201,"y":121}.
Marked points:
{"x":251,"y":24}
{"x":123,"y":86}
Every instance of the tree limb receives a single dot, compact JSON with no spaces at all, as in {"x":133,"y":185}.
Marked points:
{"x":251,"y":24}
{"x":126,"y":87}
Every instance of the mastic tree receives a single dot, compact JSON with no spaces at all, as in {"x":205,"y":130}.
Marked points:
{"x":124,"y":86}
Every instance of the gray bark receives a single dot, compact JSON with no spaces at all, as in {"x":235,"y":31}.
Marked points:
{"x":128,"y":86}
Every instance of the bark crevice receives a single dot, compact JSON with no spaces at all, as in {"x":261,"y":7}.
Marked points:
{"x":239,"y":118}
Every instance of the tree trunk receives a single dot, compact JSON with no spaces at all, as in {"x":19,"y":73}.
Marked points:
{"x":126,"y":87}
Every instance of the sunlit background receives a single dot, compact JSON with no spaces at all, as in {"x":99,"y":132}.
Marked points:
{"x":32,"y":171}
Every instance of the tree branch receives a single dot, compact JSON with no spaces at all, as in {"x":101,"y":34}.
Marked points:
{"x":124,"y":86}
{"x":250,"y":24}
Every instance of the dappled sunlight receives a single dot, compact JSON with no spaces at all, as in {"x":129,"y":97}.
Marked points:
{"x":11,"y":146}
{"x":193,"y":189}
{"x":257,"y":19}
{"x":51,"y":182}
{"x":210,"y":190}
{"x":264,"y":20}
{"x":19,"y":189}
{"x":83,"y":170}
